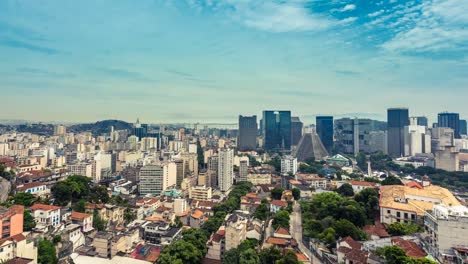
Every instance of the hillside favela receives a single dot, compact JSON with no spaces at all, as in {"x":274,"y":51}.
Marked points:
{"x":233,"y":132}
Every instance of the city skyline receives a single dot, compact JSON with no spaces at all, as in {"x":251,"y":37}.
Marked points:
{"x":188,"y":61}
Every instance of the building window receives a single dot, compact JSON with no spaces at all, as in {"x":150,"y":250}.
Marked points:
{"x":398,"y":214}
{"x":388,"y":211}
{"x":406,"y":215}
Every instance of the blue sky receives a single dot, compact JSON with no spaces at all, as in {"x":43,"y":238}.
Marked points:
{"x":208,"y":60}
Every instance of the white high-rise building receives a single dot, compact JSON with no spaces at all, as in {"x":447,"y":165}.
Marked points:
{"x":225,"y":169}
{"x":417,"y":139}
{"x":288,"y":165}
{"x":156,"y":178}
{"x":60,"y":130}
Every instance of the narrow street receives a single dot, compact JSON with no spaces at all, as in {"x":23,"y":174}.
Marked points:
{"x":296,"y":229}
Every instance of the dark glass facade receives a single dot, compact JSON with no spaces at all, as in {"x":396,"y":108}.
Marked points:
{"x":397,"y":119}
{"x":422,"y":121}
{"x":451,"y":120}
{"x":297,"y":127}
{"x":463,"y":127}
{"x":324,"y":128}
{"x":277,"y":130}
{"x":248,"y":129}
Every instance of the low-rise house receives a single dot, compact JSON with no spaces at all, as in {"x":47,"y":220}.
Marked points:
{"x":281,"y":239}
{"x":197,"y":218}
{"x":108,"y":245}
{"x":46,"y":216}
{"x":358,"y":186}
{"x":349,"y":252}
{"x":84,"y":220}
{"x":160,"y":233}
{"x":277,"y":205}
{"x":250,"y":202}
{"x":11,"y":221}
{"x":18,"y":247}
{"x":73,"y":234}
{"x":216,"y":244}
{"x":34,"y":188}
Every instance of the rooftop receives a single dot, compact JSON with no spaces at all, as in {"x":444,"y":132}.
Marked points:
{"x":44,"y":207}
{"x":415,"y":200}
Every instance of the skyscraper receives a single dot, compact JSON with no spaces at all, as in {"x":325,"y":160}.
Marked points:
{"x":324,"y":128}
{"x":296,"y":127}
{"x":397,"y":119}
{"x":451,"y":120}
{"x":277,"y":132}
{"x":140,"y":130}
{"x":248,"y":129}
{"x":421,"y":121}
{"x":463,"y":127}
{"x":225,"y":169}
{"x":243,"y":170}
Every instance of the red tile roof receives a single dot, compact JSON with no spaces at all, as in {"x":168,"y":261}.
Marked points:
{"x":197,"y":214}
{"x":377,"y":230}
{"x":414,"y":184}
{"x":79,"y":216}
{"x":363,"y":183}
{"x":279,"y":203}
{"x":29,"y":185}
{"x":44,"y":207}
{"x":277,"y":241}
{"x":411,"y":249}
{"x":351,"y":242}
{"x":282,"y":231}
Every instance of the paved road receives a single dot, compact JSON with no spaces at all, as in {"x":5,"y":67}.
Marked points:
{"x":296,"y":229}
{"x":5,"y":187}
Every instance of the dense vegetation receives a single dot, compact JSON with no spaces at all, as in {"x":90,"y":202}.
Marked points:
{"x":46,"y":253}
{"x":329,"y":216}
{"x":191,"y":248}
{"x":100,"y":127}
{"x":246,"y":253}
{"x":78,"y":188}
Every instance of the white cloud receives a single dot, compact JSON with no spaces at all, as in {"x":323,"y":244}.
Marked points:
{"x":348,"y":7}
{"x":440,"y":25}
{"x":376,"y":13}
{"x":286,"y":16}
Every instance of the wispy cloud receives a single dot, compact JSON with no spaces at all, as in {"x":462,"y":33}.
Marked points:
{"x":272,"y":16}
{"x":124,"y":74}
{"x":437,"y":26}
{"x":18,"y":44}
{"x":348,"y":7}
{"x":44,"y":73}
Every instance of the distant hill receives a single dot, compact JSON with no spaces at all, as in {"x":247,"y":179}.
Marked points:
{"x":100,"y":127}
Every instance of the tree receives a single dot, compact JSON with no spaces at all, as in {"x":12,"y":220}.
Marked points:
{"x":344,"y":228}
{"x":400,"y":229}
{"x":57,"y":239}
{"x":249,"y":256}
{"x":277,"y":193}
{"x":231,"y":256}
{"x":328,"y":236}
{"x":296,"y":193}
{"x":361,"y":160}
{"x":269,"y":255}
{"x":73,"y":189}
{"x":23,"y":198}
{"x":392,"y":180}
{"x":28,"y":221}
{"x":289,"y":258}
{"x":369,"y":199}
{"x":46,"y":253}
{"x":394,"y":255}
{"x":346,"y":190}
{"x":80,"y":206}
{"x":281,"y":219}
{"x":262,"y":211}
{"x":181,"y":252}
{"x":197,"y":238}
{"x":98,"y":223}
{"x":130,"y":216}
